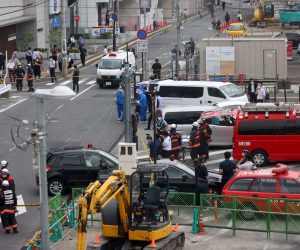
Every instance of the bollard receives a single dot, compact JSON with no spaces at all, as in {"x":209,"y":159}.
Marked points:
{"x":216,"y":217}
{"x":201,"y":227}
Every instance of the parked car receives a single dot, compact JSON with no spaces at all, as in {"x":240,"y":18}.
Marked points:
{"x":237,"y":29}
{"x":76,"y":167}
{"x":291,"y":37}
{"x":277,"y":184}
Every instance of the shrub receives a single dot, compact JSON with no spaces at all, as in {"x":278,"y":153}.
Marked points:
{"x":106,"y":35}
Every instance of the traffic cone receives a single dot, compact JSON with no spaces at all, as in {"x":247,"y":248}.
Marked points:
{"x":97,"y":239}
{"x":153,"y":244}
{"x":175,"y":229}
{"x":201,"y":228}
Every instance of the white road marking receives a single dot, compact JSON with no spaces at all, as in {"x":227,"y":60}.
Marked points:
{"x":83,"y":80}
{"x":59,"y":107}
{"x":219,"y":152}
{"x":214,"y":161}
{"x":14,"y":96}
{"x":11,"y":149}
{"x":73,"y":98}
{"x":15,"y":104}
{"x":50,"y":83}
{"x":65,"y":82}
{"x":90,"y":83}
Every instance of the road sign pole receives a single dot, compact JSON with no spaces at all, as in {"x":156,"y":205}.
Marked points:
{"x":64,"y":38}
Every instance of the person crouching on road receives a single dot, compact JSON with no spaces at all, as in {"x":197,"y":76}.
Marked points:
{"x":8,"y":203}
{"x":30,"y":78}
{"x":166,"y":144}
{"x":201,"y":179}
{"x":120,"y":98}
{"x":76,"y":79}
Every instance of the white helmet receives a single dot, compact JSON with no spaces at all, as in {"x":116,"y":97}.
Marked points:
{"x":5,"y":170}
{"x":173,"y":125}
{"x":5,"y":183}
{"x":200,"y":121}
{"x":3,"y":163}
{"x":195,"y":124}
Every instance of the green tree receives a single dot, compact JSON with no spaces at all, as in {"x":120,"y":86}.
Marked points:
{"x":25,"y":39}
{"x":54,"y":38}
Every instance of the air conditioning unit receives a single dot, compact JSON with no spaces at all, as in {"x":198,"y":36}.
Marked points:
{"x":127,"y":157}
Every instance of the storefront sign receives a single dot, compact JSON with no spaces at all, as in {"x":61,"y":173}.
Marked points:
{"x":54,"y":7}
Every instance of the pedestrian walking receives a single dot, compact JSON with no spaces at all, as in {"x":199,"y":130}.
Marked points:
{"x":223,"y":6}
{"x":2,"y":63}
{"x":227,"y":17}
{"x":29,"y":56}
{"x":11,"y":68}
{"x":227,"y":168}
{"x":76,"y":79}
{"x":107,"y":16}
{"x":52,"y":67}
{"x":252,"y":87}
{"x":19,"y":73}
{"x":54,"y":53}
{"x":260,"y":93}
{"x":35,"y":55}
{"x":83,"y":52}
{"x":37,"y":69}
{"x":218,"y":25}
{"x":201,"y":179}
{"x":192,"y":46}
{"x":120,"y":99}
{"x":156,"y":67}
{"x":30,"y":78}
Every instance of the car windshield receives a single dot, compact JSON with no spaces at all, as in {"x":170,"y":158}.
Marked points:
{"x":110,"y":64}
{"x":185,"y":168}
{"x":235,"y":27}
{"x":232,"y":90}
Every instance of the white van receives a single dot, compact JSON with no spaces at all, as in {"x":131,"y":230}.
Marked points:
{"x":199,"y":92}
{"x":184,"y":116}
{"x":111,"y":67}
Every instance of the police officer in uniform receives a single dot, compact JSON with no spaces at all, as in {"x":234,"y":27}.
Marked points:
{"x":201,"y":179}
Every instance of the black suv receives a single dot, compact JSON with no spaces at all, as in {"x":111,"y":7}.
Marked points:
{"x":77,"y":167}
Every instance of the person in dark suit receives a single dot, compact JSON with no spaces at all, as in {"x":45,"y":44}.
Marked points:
{"x":252,"y":86}
{"x":76,"y":79}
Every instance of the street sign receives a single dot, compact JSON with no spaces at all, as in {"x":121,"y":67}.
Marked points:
{"x":55,"y":22}
{"x":114,"y":17}
{"x":77,"y":18}
{"x":142,"y":34}
{"x":142,"y":46}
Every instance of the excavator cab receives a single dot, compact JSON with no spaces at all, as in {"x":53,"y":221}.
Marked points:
{"x":149,"y":188}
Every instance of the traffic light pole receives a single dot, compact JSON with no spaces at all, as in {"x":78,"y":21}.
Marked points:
{"x":64,"y":38}
{"x":177,"y":38}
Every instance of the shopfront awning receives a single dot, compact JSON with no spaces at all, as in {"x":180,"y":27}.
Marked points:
{"x":16,"y":20}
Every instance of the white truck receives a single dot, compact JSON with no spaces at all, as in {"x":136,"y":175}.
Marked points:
{"x":111,"y":67}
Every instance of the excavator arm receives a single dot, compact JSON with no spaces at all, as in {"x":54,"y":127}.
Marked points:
{"x":96,"y":197}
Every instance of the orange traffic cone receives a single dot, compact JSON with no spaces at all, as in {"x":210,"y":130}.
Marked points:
{"x":201,"y":227}
{"x":97,"y":239}
{"x":153,"y":244}
{"x":175,"y":229}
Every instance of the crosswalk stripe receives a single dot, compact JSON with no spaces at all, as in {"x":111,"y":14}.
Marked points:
{"x":90,"y":82}
{"x":50,"y":83}
{"x":65,"y":82}
{"x":83,"y":80}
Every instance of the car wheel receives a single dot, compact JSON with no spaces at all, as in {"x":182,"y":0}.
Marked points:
{"x":259,"y":157}
{"x":247,"y":211}
{"x":56,"y":186}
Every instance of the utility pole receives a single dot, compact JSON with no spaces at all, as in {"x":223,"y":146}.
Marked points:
{"x":145,"y":57}
{"x":127,"y":110}
{"x":114,"y":27}
{"x":77,"y":13}
{"x":43,"y":174}
{"x":64,"y":38}
{"x":177,"y":38}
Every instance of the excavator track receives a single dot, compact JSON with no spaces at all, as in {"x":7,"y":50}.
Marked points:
{"x":174,"y":241}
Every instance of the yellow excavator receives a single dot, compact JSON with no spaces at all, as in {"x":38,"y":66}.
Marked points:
{"x":263,"y":12}
{"x":131,"y":219}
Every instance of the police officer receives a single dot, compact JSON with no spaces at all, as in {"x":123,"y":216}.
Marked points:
{"x":194,"y":143}
{"x":8,"y":203}
{"x":201,"y":179}
{"x":205,"y":137}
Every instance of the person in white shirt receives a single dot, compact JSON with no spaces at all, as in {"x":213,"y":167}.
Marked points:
{"x":105,"y":51}
{"x":35,"y":55}
{"x":261,"y":93}
{"x":239,"y":17}
{"x":11,"y":67}
{"x":52,"y":66}
{"x":166,"y":145}
{"x":248,"y":164}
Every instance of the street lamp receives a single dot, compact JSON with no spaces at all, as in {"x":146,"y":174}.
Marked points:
{"x":59,"y":92}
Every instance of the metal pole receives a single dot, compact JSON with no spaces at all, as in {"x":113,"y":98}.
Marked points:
{"x":143,"y":73}
{"x":76,"y":13}
{"x":44,"y":213}
{"x":128,"y":131}
{"x":154,"y":126}
{"x":178,"y":34}
{"x":114,"y":28}
{"x":64,"y":38}
{"x":145,"y":61}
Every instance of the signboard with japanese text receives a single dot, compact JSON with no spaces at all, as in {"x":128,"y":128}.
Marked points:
{"x":142,"y":46}
{"x":54,"y":7}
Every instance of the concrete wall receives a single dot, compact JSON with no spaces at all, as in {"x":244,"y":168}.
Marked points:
{"x":8,"y":9}
{"x":249,"y":59}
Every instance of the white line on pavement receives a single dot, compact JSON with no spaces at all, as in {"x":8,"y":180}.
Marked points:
{"x":1,"y":111}
{"x":11,"y":149}
{"x":219,"y":152}
{"x":50,"y":83}
{"x":83,"y":80}
{"x":214,"y":161}
{"x":73,"y":98}
{"x":65,"y":82}
{"x":90,"y":83}
{"x":59,"y":107}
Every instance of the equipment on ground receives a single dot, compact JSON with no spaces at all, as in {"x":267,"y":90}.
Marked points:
{"x":134,"y":219}
{"x":263,"y":12}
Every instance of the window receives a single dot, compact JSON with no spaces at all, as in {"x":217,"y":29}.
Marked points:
{"x":173,"y":172}
{"x":269,"y":127}
{"x":267,"y":185}
{"x":92,"y":160}
{"x":109,"y":163}
{"x":183,"y":117}
{"x":71,"y":160}
{"x":289,"y":186}
{"x":214,"y":92}
{"x":213,"y":120}
{"x":181,"y":92}
{"x":54,"y":160}
{"x":110,"y":64}
{"x":241,"y":184}
{"x":232,"y":90}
